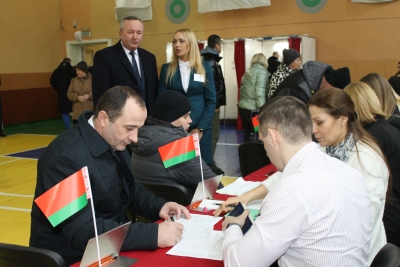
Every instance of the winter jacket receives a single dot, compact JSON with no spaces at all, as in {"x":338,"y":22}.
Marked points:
{"x":147,"y":163}
{"x":273,"y":64}
{"x":212,"y":57}
{"x":114,"y":191}
{"x":253,"y":87}
{"x":303,"y":83}
{"x":80,"y":87}
{"x":278,"y":77}
{"x":60,"y":80}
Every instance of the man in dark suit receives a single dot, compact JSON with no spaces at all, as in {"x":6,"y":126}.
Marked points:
{"x":127,"y":64}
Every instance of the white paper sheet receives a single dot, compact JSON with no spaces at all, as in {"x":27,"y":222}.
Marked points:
{"x":238,"y":187}
{"x":212,"y":250}
{"x":198,"y":229}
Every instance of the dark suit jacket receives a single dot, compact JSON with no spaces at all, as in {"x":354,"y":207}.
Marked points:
{"x":202,"y":96}
{"x":112,"y":67}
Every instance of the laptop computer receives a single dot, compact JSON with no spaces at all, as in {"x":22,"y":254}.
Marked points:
{"x":210,"y":186}
{"x":110,"y":244}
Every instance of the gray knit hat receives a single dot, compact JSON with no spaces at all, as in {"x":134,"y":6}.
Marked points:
{"x":290,"y":55}
{"x":171,"y":105}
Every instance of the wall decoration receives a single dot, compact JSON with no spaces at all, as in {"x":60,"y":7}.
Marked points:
{"x":311,"y":6}
{"x":177,"y":10}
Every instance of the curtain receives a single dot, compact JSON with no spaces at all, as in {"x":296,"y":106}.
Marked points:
{"x":240,"y":70}
{"x":294,"y":43}
{"x":201,"y":46}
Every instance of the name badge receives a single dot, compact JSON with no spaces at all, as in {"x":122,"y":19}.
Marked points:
{"x":198,"y":78}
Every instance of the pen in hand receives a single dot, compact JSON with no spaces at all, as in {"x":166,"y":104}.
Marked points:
{"x":269,"y":174}
{"x":230,"y":205}
{"x":172,"y":218}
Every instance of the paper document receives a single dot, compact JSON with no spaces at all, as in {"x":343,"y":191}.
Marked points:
{"x":212,"y":250}
{"x":238,"y":188}
{"x":198,"y":229}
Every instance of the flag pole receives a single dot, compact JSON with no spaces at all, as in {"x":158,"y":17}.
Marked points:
{"x":89,"y":195}
{"x":196,"y":137}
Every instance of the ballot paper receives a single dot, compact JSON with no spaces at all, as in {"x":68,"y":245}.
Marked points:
{"x":198,"y":229}
{"x":238,"y":188}
{"x":211,"y":250}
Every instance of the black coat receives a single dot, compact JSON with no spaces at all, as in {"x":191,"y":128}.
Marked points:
{"x":388,"y":139}
{"x":112,"y":67}
{"x":273,"y":64}
{"x":303,"y":83}
{"x":60,"y":81}
{"x":213,"y":58}
{"x":147,"y":164}
{"x":114,"y":192}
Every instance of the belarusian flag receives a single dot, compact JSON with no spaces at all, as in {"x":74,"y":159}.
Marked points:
{"x":65,"y":198}
{"x":180,"y":150}
{"x":254,"y":120}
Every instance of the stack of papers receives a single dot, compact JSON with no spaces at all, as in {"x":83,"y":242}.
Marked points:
{"x":198,"y":238}
{"x":238,"y":188}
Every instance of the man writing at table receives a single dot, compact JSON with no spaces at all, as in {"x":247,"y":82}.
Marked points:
{"x":317,"y":214}
{"x":99,"y":142}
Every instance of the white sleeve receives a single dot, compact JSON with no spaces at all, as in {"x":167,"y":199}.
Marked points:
{"x":271,"y":181}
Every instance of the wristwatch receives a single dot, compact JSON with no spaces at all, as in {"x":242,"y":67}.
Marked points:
{"x":200,"y":129}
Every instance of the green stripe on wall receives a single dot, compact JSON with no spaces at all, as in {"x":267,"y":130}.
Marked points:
{"x":178,"y":159}
{"x":68,"y":210}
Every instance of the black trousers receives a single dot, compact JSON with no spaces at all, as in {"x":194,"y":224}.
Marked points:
{"x":245,"y":115}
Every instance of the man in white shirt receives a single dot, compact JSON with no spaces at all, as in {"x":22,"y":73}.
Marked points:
{"x":317,"y":214}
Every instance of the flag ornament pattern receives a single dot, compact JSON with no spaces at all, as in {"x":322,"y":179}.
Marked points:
{"x":254,"y":120}
{"x":65,"y":198}
{"x":180,"y":150}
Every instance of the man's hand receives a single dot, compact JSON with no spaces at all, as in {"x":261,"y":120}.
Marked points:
{"x":171,"y":208}
{"x":86,"y":96}
{"x":196,"y":131}
{"x":169,"y":233}
{"x":230,"y":201}
{"x":239,"y":220}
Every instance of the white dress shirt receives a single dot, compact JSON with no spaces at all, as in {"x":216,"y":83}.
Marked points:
{"x":127,"y":52}
{"x":376,"y":175}
{"x":317,"y":214}
{"x":185,"y":74}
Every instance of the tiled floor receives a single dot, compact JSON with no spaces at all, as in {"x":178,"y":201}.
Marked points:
{"x":226,"y":153}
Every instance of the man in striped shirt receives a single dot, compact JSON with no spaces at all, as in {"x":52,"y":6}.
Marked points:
{"x":317,"y":214}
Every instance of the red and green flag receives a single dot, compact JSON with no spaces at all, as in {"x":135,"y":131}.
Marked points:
{"x":65,"y":198}
{"x":180,"y":150}
{"x":254,"y":120}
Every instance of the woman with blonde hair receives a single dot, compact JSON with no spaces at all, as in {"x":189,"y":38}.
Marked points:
{"x":385,"y":93}
{"x":253,"y":89}
{"x":187,"y":74}
{"x":372,"y":118}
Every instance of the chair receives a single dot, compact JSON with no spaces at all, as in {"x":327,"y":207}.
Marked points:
{"x":252,"y":157}
{"x":170,"y":192}
{"x":388,"y":256}
{"x":20,"y":256}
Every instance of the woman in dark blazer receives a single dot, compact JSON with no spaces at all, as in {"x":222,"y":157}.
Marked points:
{"x":187,"y":74}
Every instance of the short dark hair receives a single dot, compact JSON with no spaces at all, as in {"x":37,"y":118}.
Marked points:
{"x":213,"y":40}
{"x":289,"y":116}
{"x":114,"y":100}
{"x":67,"y":59}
